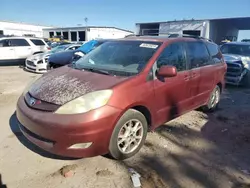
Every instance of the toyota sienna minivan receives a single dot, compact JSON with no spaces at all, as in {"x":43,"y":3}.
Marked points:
{"x":107,"y":101}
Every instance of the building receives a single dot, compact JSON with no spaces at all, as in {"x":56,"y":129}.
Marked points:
{"x":21,"y":29}
{"x":86,"y":33}
{"x":215,"y":29}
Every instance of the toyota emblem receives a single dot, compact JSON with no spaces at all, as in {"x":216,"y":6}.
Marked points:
{"x":32,"y":101}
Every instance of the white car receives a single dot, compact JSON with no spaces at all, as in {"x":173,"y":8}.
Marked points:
{"x":17,"y":49}
{"x":38,"y":62}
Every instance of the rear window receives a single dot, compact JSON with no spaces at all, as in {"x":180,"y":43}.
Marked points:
{"x":37,"y":42}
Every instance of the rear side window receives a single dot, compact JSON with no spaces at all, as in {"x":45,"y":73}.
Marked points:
{"x":4,"y":43}
{"x":198,"y":54}
{"x":37,"y":42}
{"x":18,"y":42}
{"x":173,"y":55}
{"x":214,"y":52}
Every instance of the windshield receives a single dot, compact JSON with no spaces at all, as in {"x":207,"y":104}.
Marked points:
{"x":236,"y":49}
{"x":119,"y":57}
{"x":88,"y":46}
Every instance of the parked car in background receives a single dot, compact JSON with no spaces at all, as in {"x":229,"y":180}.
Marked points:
{"x":64,"y":58}
{"x":237,"y":57}
{"x":55,"y":44}
{"x":245,"y":40}
{"x":38,"y":62}
{"x":108,"y":100}
{"x":17,"y":49}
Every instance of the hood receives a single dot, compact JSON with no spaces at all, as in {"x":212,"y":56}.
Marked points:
{"x":62,"y":58}
{"x":37,"y":56}
{"x":238,"y":58}
{"x":65,"y":84}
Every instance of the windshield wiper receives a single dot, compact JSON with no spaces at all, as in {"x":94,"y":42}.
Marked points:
{"x":97,"y":71}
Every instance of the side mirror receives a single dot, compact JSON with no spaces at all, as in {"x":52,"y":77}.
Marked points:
{"x":167,"y":71}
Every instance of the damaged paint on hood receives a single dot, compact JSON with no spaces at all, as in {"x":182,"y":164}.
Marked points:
{"x":65,"y":84}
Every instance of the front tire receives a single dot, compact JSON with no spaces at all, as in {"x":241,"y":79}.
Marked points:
{"x":128,"y":135}
{"x":213,"y":101}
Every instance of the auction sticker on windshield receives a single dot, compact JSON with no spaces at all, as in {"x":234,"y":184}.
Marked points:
{"x":145,"y":45}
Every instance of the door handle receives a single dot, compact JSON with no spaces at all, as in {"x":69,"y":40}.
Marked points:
{"x":12,"y":49}
{"x":193,"y":75}
{"x":186,"y":77}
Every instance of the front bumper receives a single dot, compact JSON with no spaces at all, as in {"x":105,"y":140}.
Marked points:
{"x":57,"y":133}
{"x":34,"y":67}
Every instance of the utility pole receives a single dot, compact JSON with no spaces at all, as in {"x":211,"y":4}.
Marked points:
{"x":86,"y":28}
{"x":86,"y":21}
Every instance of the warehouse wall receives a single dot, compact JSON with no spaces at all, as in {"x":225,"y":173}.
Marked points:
{"x":62,"y":31}
{"x":20,"y":29}
{"x":92,"y":33}
{"x":180,"y":26}
{"x":108,"y":33}
{"x":219,"y":29}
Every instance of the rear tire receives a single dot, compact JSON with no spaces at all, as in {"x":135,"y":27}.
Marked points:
{"x":128,"y":135}
{"x":213,"y":101}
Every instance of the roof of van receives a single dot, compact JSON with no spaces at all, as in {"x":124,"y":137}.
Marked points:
{"x":18,"y":37}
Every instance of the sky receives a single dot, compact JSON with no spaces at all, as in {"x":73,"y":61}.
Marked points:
{"x":119,"y":13}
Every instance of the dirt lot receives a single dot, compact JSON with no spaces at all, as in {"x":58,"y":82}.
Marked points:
{"x":195,"y":150}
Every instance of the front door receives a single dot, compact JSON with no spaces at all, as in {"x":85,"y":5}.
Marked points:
{"x":6,"y":51}
{"x":172,"y":95}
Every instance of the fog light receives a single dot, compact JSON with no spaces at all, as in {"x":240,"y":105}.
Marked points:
{"x":81,"y":145}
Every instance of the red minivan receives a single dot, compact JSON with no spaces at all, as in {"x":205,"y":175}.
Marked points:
{"x":107,"y":101}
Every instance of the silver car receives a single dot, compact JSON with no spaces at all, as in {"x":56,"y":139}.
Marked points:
{"x":38,"y":62}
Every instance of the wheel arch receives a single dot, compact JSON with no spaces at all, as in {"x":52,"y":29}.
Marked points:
{"x":220,"y":86}
{"x":145,"y":111}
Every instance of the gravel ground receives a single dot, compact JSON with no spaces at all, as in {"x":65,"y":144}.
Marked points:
{"x":194,"y":150}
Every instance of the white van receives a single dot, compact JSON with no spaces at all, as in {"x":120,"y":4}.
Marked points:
{"x":17,"y":49}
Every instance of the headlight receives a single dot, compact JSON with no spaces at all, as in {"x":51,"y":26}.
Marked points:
{"x":27,"y":87}
{"x":85,"y":103}
{"x":40,"y":62}
{"x":246,"y":63}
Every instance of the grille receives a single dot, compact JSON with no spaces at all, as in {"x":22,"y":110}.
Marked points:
{"x":43,"y":106}
{"x":24,"y":129}
{"x":234,"y":68}
{"x":30,"y":63}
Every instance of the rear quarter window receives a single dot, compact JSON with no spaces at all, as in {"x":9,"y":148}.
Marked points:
{"x":37,"y":42}
{"x":214,"y":51}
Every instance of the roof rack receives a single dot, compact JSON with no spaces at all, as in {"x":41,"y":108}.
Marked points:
{"x":171,"y":35}
{"x":188,"y":36}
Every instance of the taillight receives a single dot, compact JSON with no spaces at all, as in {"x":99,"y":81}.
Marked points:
{"x":49,"y":48}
